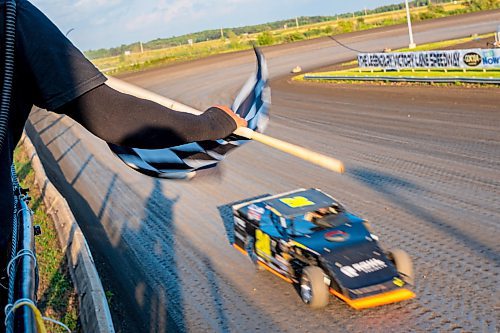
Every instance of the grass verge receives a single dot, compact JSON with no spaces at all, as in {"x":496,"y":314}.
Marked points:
{"x":57,"y":298}
{"x":420,"y":73}
{"x":135,"y":60}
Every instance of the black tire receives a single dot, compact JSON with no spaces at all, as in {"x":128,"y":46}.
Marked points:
{"x":313,"y":290}
{"x":404,"y":265}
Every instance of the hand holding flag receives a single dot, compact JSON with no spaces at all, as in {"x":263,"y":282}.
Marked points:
{"x":251,"y":114}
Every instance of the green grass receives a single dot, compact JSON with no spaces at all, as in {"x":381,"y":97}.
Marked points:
{"x":418,"y":73}
{"x":444,"y":44}
{"x":153,"y":58}
{"x":434,"y":73}
{"x":57,"y":298}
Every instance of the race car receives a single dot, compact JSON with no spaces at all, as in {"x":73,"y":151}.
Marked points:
{"x":307,"y":238}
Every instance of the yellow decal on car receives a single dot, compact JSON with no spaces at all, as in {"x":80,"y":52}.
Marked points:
{"x":398,"y":282}
{"x":300,"y":245}
{"x":262,"y":244}
{"x":297,"y":202}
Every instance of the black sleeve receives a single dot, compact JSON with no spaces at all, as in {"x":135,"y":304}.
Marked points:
{"x":54,"y":70}
{"x":129,"y":121}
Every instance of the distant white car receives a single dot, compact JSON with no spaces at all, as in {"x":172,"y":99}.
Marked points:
{"x":296,"y":69}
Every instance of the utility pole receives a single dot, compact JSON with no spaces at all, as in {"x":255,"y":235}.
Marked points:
{"x":410,"y":32}
{"x":297,"y":21}
{"x":142,"y":48}
{"x":366,"y":12}
{"x":497,"y":37}
{"x":221,"y":33}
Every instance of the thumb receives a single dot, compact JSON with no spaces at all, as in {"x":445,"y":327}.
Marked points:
{"x":240,"y":122}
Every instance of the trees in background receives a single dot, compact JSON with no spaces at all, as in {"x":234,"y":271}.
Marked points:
{"x":477,"y":5}
{"x":346,"y":22}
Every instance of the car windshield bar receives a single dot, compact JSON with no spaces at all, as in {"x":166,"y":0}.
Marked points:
{"x":323,"y":218}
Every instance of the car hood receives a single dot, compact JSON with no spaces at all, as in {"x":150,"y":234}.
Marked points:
{"x":354,"y":260}
{"x":359,"y":265}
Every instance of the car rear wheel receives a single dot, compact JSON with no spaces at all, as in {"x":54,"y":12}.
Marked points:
{"x":403,"y":264}
{"x":313,"y":290}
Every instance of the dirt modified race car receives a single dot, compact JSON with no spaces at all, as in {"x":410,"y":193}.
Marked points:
{"x":309,"y":239}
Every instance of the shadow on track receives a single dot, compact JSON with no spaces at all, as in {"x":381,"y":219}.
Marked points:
{"x":142,"y":309}
{"x":387,"y":184}
{"x":146,"y":267}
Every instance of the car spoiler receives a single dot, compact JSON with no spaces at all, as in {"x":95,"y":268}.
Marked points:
{"x":238,"y":206}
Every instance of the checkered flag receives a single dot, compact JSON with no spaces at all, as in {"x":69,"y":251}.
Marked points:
{"x":185,"y":161}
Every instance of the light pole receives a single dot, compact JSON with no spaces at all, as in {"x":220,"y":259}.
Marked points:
{"x":410,"y":32}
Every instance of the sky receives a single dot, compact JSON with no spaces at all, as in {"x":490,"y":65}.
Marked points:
{"x":107,"y":23}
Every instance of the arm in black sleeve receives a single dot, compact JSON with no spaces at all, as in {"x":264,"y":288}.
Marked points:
{"x":50,"y":70}
{"x":126,"y":120}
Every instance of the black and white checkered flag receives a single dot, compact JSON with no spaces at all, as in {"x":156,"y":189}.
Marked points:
{"x":183,"y":162}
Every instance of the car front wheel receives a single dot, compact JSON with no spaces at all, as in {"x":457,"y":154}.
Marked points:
{"x":313,"y":290}
{"x":403,"y":264}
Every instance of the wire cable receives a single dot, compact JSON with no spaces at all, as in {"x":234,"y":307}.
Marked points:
{"x":345,"y":46}
{"x":57,"y":323}
{"x":15,"y":226}
{"x":23,"y":252}
{"x":10,"y":40}
{"x":11,"y":308}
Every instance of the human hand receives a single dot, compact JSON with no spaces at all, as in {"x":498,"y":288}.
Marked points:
{"x":240,"y":122}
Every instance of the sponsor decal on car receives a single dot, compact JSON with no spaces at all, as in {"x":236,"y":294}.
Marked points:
{"x":297,"y":202}
{"x":299,"y":245}
{"x":255,"y":212}
{"x":398,"y":282}
{"x":240,"y":236}
{"x":336,"y":236}
{"x":239,"y":222}
{"x":366,"y":266}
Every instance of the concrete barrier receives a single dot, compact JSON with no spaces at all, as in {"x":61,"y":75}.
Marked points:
{"x":95,"y":316}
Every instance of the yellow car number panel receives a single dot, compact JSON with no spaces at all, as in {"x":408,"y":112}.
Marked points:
{"x":296,"y":202}
{"x":263,"y":244}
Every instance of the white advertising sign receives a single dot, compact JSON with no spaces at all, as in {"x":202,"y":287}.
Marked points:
{"x":471,"y":58}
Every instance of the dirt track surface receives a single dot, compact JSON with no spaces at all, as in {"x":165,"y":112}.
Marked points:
{"x":422,"y":165}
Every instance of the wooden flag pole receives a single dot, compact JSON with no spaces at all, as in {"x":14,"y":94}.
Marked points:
{"x":289,"y":148}
{"x":324,"y":161}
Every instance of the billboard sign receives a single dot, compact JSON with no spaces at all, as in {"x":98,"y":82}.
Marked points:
{"x":470,"y":58}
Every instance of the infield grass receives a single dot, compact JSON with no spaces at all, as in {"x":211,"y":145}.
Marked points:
{"x":434,"y":73}
{"x":137,"y":61}
{"x":57,"y":298}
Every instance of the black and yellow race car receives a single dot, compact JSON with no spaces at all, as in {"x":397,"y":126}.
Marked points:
{"x":308,"y":238}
